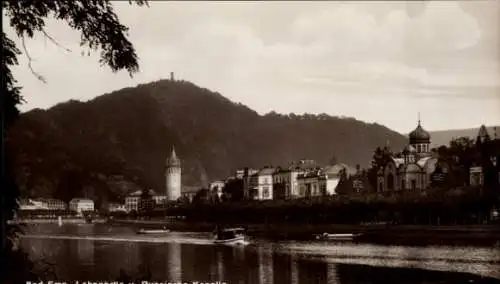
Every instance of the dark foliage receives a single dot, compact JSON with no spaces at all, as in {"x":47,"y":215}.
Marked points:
{"x":435,"y":207}
{"x":100,"y":30}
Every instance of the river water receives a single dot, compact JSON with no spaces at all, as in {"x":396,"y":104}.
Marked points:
{"x":100,"y":252}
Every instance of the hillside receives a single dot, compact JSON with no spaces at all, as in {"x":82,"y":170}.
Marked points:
{"x":444,"y":137}
{"x":117,"y":142}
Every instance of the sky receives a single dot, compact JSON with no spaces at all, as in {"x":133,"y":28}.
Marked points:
{"x":382,"y":62}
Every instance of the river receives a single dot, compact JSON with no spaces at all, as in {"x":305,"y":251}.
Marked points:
{"x":100,"y":252}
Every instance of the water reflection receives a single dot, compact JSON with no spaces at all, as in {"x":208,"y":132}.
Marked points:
{"x":80,"y":258}
{"x":174,"y":255}
{"x":331,"y":273}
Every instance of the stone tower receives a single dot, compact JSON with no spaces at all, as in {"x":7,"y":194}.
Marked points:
{"x":173,"y":177}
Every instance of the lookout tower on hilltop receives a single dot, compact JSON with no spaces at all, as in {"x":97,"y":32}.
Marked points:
{"x":172,"y":78}
{"x":173,"y":177}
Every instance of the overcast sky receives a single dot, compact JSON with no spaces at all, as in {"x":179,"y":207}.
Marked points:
{"x":377,"y":62}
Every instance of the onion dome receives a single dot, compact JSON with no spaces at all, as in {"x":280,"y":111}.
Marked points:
{"x":419,"y":135}
{"x":173,"y":160}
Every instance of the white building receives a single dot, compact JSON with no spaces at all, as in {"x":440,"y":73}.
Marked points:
{"x":116,"y":207}
{"x":160,"y":199}
{"x":289,"y":178}
{"x":261,"y":184}
{"x":32,"y":204}
{"x":80,"y":205}
{"x":217,"y":185}
{"x":333,"y":177}
{"x":42,"y":204}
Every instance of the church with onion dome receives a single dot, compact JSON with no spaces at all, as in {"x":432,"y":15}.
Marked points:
{"x":412,"y":168}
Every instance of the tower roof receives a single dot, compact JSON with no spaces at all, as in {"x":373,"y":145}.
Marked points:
{"x":483,"y":133}
{"x":419,"y":135}
{"x":173,"y":160}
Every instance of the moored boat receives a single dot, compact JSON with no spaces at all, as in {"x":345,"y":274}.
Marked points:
{"x":337,"y":237}
{"x":153,"y":231}
{"x":230,"y":236}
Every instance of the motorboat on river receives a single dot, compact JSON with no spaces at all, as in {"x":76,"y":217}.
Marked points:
{"x":230,"y":236}
{"x":153,"y":231}
{"x":337,"y":237}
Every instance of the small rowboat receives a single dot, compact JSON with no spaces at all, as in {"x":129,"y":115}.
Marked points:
{"x":162,"y":231}
{"x":337,"y":237}
{"x":230,"y":236}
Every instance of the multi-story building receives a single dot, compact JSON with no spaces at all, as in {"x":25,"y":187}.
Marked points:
{"x":117,"y":207}
{"x":32,"y":204}
{"x":55,"y":204}
{"x":135,"y":200}
{"x":42,"y":204}
{"x":81,"y":205}
{"x":261,"y":184}
{"x":159,"y":200}
{"x":285,"y":183}
{"x":132,"y":201}
{"x":217,"y":186}
{"x":333,"y":175}
{"x":312,"y":184}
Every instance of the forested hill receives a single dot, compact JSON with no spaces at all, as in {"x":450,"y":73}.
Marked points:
{"x":107,"y":146}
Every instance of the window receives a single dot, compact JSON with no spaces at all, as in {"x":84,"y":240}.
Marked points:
{"x":413,"y":184}
{"x":390,"y":181}
{"x":265,"y":192}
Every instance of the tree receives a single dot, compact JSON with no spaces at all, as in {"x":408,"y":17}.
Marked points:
{"x":100,"y":30}
{"x":233,"y":190}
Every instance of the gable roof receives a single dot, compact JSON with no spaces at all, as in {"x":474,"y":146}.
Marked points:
{"x":266,"y":171}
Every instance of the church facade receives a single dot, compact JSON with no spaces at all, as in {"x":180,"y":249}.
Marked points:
{"x":411,"y":169}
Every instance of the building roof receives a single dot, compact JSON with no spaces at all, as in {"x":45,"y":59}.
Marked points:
{"x":139,"y":192}
{"x":398,"y":161}
{"x":173,"y":160}
{"x":422,"y":161}
{"x":266,"y":171}
{"x":335,"y":169}
{"x":419,"y":135}
{"x":483,"y":133}
{"x":81,"y":200}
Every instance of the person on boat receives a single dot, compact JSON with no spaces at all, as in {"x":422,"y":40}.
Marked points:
{"x":217,"y":231}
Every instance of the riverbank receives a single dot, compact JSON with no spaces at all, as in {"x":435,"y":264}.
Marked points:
{"x":55,"y":221}
{"x":374,"y":233}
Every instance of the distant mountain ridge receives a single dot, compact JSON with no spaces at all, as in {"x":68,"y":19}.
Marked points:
{"x":118,"y":142}
{"x":443,"y":137}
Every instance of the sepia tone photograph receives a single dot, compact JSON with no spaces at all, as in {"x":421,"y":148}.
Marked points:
{"x":260,"y":142}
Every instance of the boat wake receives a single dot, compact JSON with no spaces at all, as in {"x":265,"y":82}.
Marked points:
{"x":138,"y":239}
